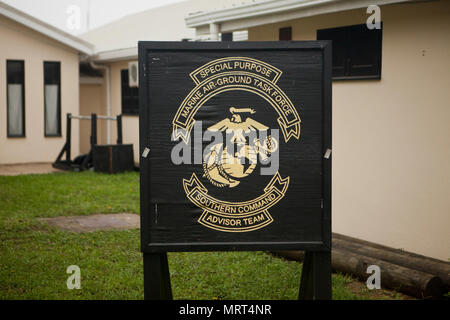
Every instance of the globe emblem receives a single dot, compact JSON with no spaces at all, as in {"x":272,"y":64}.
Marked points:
{"x":227,"y":164}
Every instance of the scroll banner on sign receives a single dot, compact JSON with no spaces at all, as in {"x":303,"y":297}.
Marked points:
{"x":235,"y":216}
{"x":236,"y":73}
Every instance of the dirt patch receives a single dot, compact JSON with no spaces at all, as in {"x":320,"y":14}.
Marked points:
{"x":26,"y":168}
{"x":360,"y":288}
{"x":96,"y":222}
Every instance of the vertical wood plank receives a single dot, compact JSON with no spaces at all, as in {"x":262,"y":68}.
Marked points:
{"x":315,"y":283}
{"x":68,"y":137}
{"x":166,"y":285}
{"x":322,"y":275}
{"x":327,"y":144}
{"x":93,"y":130}
{"x":156,"y":277}
{"x":119,"y":129}
{"x":306,"y":281}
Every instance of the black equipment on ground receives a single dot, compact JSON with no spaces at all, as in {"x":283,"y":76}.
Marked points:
{"x":113,"y":158}
{"x":87,"y":161}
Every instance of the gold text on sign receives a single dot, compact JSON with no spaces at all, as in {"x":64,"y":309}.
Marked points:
{"x":235,"y":216}
{"x":224,"y":167}
{"x":254,"y":78}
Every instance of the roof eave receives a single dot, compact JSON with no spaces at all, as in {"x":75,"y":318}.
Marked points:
{"x":275,"y":11}
{"x":116,"y":55}
{"x":67,"y":39}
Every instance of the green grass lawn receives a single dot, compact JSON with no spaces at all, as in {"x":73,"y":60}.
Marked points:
{"x":34,"y":256}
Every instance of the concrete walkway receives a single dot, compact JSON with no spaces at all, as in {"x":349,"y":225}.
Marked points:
{"x":96,"y":222}
{"x":26,"y":168}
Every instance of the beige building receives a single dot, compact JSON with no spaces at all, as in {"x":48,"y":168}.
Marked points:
{"x":391,"y":132}
{"x":38,"y":86}
{"x":391,"y":138}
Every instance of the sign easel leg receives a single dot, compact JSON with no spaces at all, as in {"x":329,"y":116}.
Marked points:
{"x":315,"y":283}
{"x":156,"y":277}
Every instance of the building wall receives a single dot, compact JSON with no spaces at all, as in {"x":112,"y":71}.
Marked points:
{"x":391,"y":137}
{"x":92,"y":100}
{"x":20,"y":43}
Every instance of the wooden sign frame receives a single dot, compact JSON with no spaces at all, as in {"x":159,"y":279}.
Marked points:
{"x":316,"y":276}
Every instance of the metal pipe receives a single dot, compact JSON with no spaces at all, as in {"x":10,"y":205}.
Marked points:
{"x":89,"y":117}
{"x":80,"y":117}
{"x":107,"y":118}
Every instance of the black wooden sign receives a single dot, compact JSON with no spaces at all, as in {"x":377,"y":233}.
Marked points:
{"x":235,"y":141}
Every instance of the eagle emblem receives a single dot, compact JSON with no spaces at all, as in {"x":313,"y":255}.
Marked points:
{"x":225,"y":165}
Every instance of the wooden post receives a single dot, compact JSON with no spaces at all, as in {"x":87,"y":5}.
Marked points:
{"x":306,"y":281}
{"x":119,"y":129}
{"x":68,"y":136}
{"x":88,"y":160}
{"x":93,"y":130}
{"x":315,"y":283}
{"x":156,"y":277}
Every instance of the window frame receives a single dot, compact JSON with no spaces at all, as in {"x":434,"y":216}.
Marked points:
{"x":127,"y":110}
{"x":283,"y":31}
{"x":23,"y":135}
{"x":348,"y":54}
{"x":58,"y":134}
{"x":226,"y":37}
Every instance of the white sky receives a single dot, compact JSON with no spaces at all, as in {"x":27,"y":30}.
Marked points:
{"x":101,"y":12}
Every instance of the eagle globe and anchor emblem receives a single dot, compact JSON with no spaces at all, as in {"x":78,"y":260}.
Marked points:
{"x":226,"y":165}
{"x":226,"y":168}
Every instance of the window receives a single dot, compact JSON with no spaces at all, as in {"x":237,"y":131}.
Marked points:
{"x":15,"y":92}
{"x":130,"y":96}
{"x":285,"y":33}
{"x":52,"y":99}
{"x":356,"y":51}
{"x":227,"y":36}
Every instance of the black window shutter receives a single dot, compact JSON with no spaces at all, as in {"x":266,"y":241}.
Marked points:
{"x":227,"y":36}
{"x":52,"y":76}
{"x":130,"y":96}
{"x":365,"y":51}
{"x":339,"y":48}
{"x":15,"y":103}
{"x":15,"y":71}
{"x":356,"y":51}
{"x":285,"y":34}
{"x":52,"y":72}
